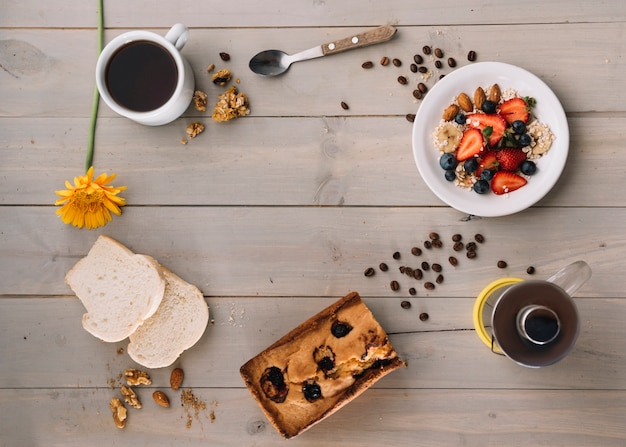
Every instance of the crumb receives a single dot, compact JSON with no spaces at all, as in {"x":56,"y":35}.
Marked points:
{"x":184,"y":141}
{"x":231,"y":104}
{"x":210,"y":68}
{"x":195,"y":129}
{"x":222,"y":77}
{"x":199,"y":100}
{"x":192,"y":406}
{"x":120,"y":351}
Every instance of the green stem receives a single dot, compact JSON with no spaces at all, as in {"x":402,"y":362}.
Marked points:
{"x":96,"y":94}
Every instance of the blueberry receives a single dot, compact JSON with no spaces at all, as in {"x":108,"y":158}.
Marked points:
{"x":489,"y":106}
{"x":448,"y":161}
{"x":326,"y":364}
{"x":312,"y":391}
{"x":487,"y":174}
{"x":470,"y":165}
{"x":450,"y":175}
{"x":528,"y":167}
{"x":340,"y":329}
{"x":524,"y":140}
{"x":481,"y":186}
{"x":460,"y":118}
{"x":519,"y":127}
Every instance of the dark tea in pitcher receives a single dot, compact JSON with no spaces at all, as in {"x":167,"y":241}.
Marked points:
{"x":141,"y":76}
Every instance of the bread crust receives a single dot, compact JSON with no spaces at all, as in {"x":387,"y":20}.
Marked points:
{"x":361,"y":358}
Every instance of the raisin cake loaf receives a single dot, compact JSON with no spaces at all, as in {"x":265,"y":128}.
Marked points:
{"x":320,"y":366}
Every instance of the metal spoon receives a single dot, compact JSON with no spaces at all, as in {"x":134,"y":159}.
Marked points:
{"x":275,"y":62}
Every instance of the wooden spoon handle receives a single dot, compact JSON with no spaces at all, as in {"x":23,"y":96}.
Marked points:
{"x":371,"y":37}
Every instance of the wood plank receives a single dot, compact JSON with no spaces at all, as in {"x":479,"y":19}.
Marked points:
{"x":294,"y":251}
{"x":58,"y":65}
{"x":44,"y":354}
{"x":248,"y":13}
{"x":61,"y":417}
{"x":347,"y":161}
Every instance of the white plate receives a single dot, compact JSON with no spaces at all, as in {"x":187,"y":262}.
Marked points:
{"x":466,"y":79}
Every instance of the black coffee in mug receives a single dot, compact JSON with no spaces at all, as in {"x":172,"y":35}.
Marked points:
{"x":141,"y":76}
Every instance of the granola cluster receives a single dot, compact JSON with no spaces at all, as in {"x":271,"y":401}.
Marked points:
{"x":231,"y":104}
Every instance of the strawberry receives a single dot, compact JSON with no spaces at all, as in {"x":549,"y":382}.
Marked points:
{"x":471,"y":144}
{"x":510,"y":158}
{"x":505,"y":181}
{"x":491,"y":124}
{"x":487,"y":161}
{"x":515,"y":109}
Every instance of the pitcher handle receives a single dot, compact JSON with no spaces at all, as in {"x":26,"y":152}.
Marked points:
{"x":571,"y":277}
{"x":178,"y":35}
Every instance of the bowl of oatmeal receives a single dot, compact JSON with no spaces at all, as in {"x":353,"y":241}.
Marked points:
{"x":515,"y":129}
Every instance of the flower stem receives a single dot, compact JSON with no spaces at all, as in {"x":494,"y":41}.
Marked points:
{"x":96,"y":94}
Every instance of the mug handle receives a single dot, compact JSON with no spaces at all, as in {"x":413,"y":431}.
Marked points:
{"x":571,"y":277}
{"x":178,"y":35}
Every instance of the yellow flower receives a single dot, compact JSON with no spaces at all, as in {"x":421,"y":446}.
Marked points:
{"x":90,"y":201}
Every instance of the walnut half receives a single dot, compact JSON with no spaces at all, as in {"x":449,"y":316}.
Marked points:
{"x":136,"y":377}
{"x":119,"y":412}
{"x":130,"y":397}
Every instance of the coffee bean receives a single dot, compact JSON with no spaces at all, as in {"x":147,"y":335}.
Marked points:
{"x":425,"y":266}
{"x":439,"y":279}
{"x":410,"y":117}
{"x":225,"y":56}
{"x":344,"y":106}
{"x":426,"y":49}
{"x":432,"y":235}
{"x":428,"y":245}
{"x":530,"y":270}
{"x":457,"y":238}
{"x":436,"y":267}
{"x":408,"y":271}
{"x":396,"y":62}
{"x":502,"y":264}
{"x":453,"y":261}
{"x":367,"y":64}
{"x":437,"y":243}
{"x":402,"y":269}
{"x":418,"y":59}
{"x":412,"y":291}
{"x":403,"y":80}
{"x":438,"y":64}
{"x":369,"y":271}
{"x":395,"y":286}
{"x":471,"y":254}
{"x":479,"y":238}
{"x":441,"y":76}
{"x":417,"y":274}
{"x":415,"y":251}
{"x":422,"y":69}
{"x":423,"y":316}
{"x":471,"y":246}
{"x":471,"y":56}
{"x":429,"y":286}
{"x":451,"y":62}
{"x":418,"y":94}
{"x":407,"y":304}
{"x":438,"y":52}
{"x":458,"y":246}
{"x":396,"y":255}
{"x":384,"y":61}
{"x":422,"y":87}
{"x":383,"y":267}
{"x":413,"y":68}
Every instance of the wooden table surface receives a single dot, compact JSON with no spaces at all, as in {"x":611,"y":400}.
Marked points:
{"x":276,"y":215}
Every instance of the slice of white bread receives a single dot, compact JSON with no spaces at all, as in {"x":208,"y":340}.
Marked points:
{"x":176,"y":326}
{"x":119,"y":289}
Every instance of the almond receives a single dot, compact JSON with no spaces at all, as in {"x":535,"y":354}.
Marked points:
{"x":176,"y":378}
{"x":465,"y":102}
{"x":161,"y":399}
{"x":479,"y":98}
{"x":450,"y":112}
{"x":495,"y":94}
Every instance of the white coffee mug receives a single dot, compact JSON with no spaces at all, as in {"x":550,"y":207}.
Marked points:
{"x":142,"y":76}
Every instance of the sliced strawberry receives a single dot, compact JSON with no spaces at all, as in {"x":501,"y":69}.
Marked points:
{"x":515,"y":109}
{"x":471,"y":144}
{"x":510,"y":158}
{"x":491,"y":124}
{"x":505,"y":181}
{"x":487,"y":161}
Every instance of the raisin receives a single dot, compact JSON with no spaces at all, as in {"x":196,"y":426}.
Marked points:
{"x":273,"y":384}
{"x":340,"y":329}
{"x":311,"y":391}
